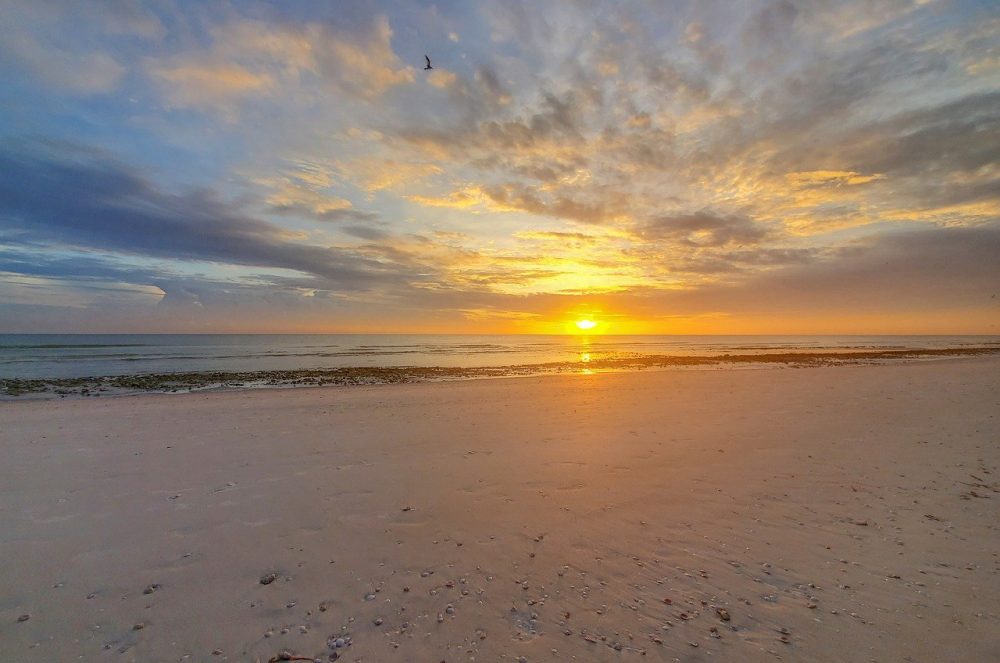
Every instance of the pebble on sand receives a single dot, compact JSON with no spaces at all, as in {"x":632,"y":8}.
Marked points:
{"x":24,"y":618}
{"x":268,"y":578}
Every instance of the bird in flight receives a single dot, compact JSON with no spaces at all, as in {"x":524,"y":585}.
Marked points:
{"x":428,"y":63}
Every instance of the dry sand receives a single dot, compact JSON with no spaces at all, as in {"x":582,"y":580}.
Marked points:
{"x":850,"y":511}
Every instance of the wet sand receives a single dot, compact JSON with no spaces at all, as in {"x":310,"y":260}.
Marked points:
{"x":845,"y":513}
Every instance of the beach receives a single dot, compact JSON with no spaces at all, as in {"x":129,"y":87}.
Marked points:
{"x":759,"y":513}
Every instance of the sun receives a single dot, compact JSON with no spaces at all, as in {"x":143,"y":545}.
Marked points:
{"x":585,"y":324}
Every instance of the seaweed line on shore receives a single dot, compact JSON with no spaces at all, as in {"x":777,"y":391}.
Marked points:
{"x":116,"y":385}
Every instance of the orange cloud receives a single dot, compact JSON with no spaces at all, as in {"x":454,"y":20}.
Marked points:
{"x":462,"y":199}
{"x":441,"y":78}
{"x":830,"y":177}
{"x":252,"y":58}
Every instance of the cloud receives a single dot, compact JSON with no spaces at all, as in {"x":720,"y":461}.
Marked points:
{"x":959,"y":136}
{"x":915,"y":271}
{"x":705,"y":229}
{"x":306,"y":189}
{"x":554,"y":123}
{"x":547,"y":236}
{"x":287,"y":195}
{"x":82,"y":198}
{"x":441,"y":78}
{"x":462,"y":199}
{"x":70,"y":46}
{"x":374,"y":173}
{"x":247,"y":59}
{"x":78,"y":268}
{"x":814,"y":178}
{"x":607,"y":208}
{"x":367,"y":68}
{"x":558,"y":149}
{"x":79,"y":72}
{"x":369,"y":233}
{"x":212,"y":85}
{"x":491,"y":84}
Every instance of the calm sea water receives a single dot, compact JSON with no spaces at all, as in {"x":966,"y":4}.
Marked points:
{"x":86,"y":355}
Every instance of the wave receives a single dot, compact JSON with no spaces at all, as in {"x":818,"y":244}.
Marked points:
{"x":65,"y":346}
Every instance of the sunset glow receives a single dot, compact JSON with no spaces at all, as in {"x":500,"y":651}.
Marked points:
{"x":695,"y":167}
{"x":302,"y":302}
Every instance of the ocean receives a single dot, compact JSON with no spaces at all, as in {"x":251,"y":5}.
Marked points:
{"x":41,"y":356}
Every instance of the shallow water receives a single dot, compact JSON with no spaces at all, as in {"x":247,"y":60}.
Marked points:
{"x":30,"y":356}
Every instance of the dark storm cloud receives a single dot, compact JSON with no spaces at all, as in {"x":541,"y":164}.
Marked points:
{"x":72,"y":196}
{"x":96,"y":272}
{"x":36,"y":263}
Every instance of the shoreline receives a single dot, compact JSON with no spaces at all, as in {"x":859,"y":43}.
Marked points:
{"x":185,"y":382}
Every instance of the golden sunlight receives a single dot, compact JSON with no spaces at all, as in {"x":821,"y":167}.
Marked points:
{"x":583,"y":324}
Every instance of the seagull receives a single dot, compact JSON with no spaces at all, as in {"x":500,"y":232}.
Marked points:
{"x":428,"y":63}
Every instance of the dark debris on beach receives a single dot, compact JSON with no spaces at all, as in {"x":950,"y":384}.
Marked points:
{"x":347,"y":376}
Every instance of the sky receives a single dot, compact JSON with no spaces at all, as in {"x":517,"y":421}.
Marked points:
{"x":757,"y":166}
